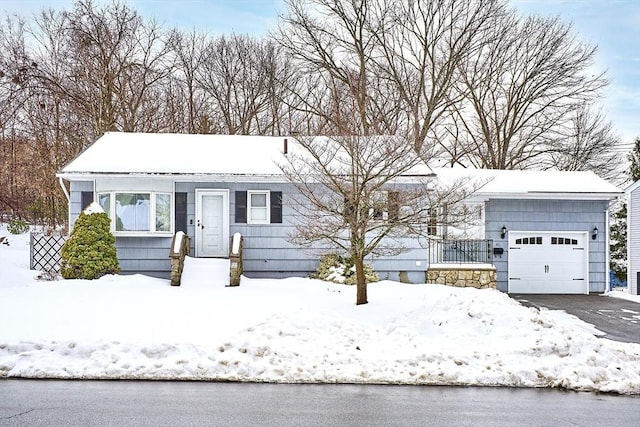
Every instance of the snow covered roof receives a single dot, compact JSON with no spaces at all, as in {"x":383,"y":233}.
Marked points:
{"x":530,"y":183}
{"x":187,"y":154}
{"x":167,"y":153}
{"x":121,"y":153}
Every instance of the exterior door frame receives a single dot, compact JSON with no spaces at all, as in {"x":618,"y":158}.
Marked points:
{"x":200,"y":193}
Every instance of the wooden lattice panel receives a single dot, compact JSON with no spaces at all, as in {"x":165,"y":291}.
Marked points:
{"x":45,"y":251}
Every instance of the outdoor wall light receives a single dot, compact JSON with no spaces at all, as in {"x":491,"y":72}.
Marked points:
{"x":594,"y":233}
{"x":503,"y":232}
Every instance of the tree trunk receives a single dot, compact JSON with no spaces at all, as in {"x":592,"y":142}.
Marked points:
{"x":361,"y":279}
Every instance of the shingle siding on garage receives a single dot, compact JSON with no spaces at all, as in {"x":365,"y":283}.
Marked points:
{"x":633,"y":240}
{"x":549,"y":215}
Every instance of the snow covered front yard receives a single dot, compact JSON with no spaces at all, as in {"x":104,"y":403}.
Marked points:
{"x":292,"y":330}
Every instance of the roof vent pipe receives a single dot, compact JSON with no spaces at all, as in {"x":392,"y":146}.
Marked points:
{"x":285,"y":149}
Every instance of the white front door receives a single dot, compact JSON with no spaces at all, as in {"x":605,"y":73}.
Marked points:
{"x":548,"y":262}
{"x":212,"y":223}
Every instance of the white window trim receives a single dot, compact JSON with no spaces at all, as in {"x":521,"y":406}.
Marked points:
{"x":152,"y":213}
{"x":267,"y":219}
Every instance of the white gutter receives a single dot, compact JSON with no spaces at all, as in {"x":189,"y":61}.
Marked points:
{"x":66,"y":193}
{"x":548,"y":196}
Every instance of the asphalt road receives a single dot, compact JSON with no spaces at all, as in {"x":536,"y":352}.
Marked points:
{"x":618,"y":318}
{"x":137,"y":403}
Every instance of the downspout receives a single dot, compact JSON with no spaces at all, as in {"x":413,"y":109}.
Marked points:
{"x":66,"y":194}
{"x":628,"y":197}
{"x":607,"y":243}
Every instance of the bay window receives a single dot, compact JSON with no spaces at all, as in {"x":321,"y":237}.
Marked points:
{"x":137,"y":212}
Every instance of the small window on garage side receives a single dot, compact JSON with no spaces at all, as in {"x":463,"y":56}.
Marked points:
{"x":536,"y":240}
{"x":563,"y":241}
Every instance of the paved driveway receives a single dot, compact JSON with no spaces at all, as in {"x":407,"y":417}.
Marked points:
{"x":618,"y":318}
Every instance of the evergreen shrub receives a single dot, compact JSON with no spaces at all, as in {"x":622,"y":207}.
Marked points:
{"x":339,"y":269}
{"x":90,"y":251}
{"x":17,"y":226}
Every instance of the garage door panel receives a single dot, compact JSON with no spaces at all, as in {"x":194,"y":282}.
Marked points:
{"x":547,"y":262}
{"x":542,"y":286}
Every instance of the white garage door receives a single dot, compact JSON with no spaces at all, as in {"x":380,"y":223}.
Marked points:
{"x":548,"y":262}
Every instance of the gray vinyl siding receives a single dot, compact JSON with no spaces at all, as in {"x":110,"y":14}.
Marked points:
{"x":75,"y":199}
{"x":144,"y":255}
{"x":633,"y":241}
{"x":268,"y":251}
{"x":549,"y":215}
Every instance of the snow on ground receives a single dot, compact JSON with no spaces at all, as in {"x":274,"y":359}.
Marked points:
{"x":292,"y":330}
{"x":624,"y":295}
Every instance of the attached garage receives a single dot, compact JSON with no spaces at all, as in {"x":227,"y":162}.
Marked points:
{"x":549,"y":262}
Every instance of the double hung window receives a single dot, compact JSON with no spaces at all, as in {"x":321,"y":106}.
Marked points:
{"x":258,"y":207}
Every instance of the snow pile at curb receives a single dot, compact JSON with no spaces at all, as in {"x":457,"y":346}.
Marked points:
{"x":294,"y":331}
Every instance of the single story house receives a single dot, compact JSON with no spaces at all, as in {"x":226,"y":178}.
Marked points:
{"x":542,"y":232}
{"x":632,"y":194}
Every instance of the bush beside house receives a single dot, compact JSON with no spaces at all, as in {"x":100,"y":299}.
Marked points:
{"x":339,"y":269}
{"x":90,"y":251}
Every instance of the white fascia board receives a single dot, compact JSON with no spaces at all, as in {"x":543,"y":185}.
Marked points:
{"x":550,"y":196}
{"x":79,"y":176}
{"x":275,"y":179}
{"x":630,"y":189}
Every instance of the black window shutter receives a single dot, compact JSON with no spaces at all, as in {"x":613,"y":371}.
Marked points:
{"x":393,"y":205}
{"x":348,"y":207}
{"x":86,"y":197}
{"x":276,"y":207}
{"x":181,"y":212}
{"x":241,"y":207}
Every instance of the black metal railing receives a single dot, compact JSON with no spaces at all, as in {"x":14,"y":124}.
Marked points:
{"x":451,"y":251}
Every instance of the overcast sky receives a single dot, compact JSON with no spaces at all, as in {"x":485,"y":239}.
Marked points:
{"x":613,"y":25}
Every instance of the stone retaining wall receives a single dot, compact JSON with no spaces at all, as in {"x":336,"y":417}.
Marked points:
{"x":463,"y":276}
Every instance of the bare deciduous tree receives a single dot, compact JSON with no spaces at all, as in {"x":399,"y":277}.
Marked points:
{"x":422,"y":46}
{"x":520,"y":91}
{"x":589,"y":144}
{"x":237,"y":74}
{"x":333,"y":43}
{"x":363,"y":195}
{"x":391,"y":63}
{"x":189,"y":50}
{"x":334,"y":67}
